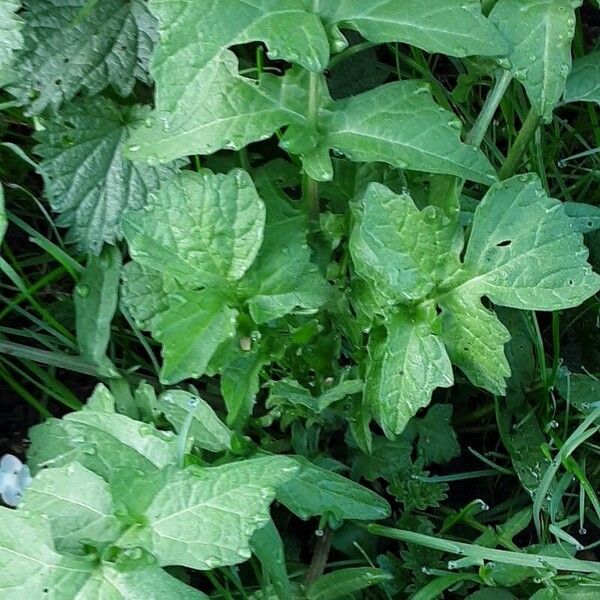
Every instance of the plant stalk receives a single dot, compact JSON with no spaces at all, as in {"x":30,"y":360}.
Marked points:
{"x":516,"y":152}
{"x":477,"y":133}
{"x":319,"y":559}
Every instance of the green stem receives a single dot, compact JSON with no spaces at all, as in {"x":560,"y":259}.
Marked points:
{"x":319,"y":559}
{"x":516,"y":152}
{"x":477,"y":133}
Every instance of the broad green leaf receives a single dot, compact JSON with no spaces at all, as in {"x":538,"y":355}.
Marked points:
{"x":239,"y":386}
{"x":454,"y":27}
{"x":10,"y":33}
{"x":204,"y":229}
{"x":202,"y":102}
{"x":540,"y":35}
{"x":88,"y":180}
{"x":190,"y":331}
{"x":77,"y":503}
{"x":583,"y":83}
{"x":396,"y":246}
{"x":76,"y":45}
{"x":266,"y":544}
{"x":400,"y":124}
{"x":95,"y":299}
{"x":32,"y":569}
{"x":146,"y":292}
{"x":407,"y":363}
{"x":207,"y":429}
{"x":315,"y":491}
{"x":29,"y":563}
{"x":524,"y":251}
{"x":580,"y":391}
{"x":346,"y":582}
{"x":283,"y":279}
{"x":204,"y":518}
{"x":475,"y":338}
{"x":101,"y":441}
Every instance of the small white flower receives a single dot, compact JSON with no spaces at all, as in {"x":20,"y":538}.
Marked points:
{"x":14,"y":478}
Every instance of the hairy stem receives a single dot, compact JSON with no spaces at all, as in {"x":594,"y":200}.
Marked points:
{"x":477,"y":133}
{"x":516,"y":152}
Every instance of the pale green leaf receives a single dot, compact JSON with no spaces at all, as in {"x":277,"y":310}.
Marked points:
{"x":315,"y":491}
{"x":400,"y":124}
{"x":88,"y":180}
{"x":201,"y":228}
{"x":475,"y":339}
{"x":407,"y":363}
{"x":102,"y":442}
{"x":190,"y":331}
{"x":29,"y":563}
{"x":202,"y":102}
{"x":585,"y":217}
{"x":396,"y":247}
{"x":204,"y":518}
{"x":283,"y":278}
{"x":207,"y":429}
{"x":454,"y":27}
{"x":584,"y":81}
{"x":77,"y":503}
{"x":75,"y":45}
{"x":524,"y":251}
{"x":95,"y":300}
{"x":540,"y":35}
{"x":10,"y":32}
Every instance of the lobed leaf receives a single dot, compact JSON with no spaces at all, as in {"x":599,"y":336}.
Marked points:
{"x":11,"y":38}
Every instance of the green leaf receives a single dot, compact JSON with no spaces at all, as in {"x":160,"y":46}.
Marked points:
{"x":204,"y":518}
{"x":454,"y":27}
{"x":30,"y":563}
{"x":31,"y":568}
{"x":10,"y":33}
{"x":315,"y":491}
{"x":3,"y":218}
{"x":102,"y":441}
{"x":202,"y":102}
{"x":345,"y":582}
{"x":95,"y":301}
{"x":146,"y":292}
{"x":239,"y":385}
{"x":88,"y":180}
{"x":291,"y":393}
{"x":283,"y":279}
{"x":191,"y":330}
{"x":475,"y":338}
{"x":525,"y":252}
{"x":77,"y":45}
{"x":583,"y":84}
{"x":407,"y":362}
{"x":397,"y":247}
{"x":400,"y":124}
{"x":437,"y":440}
{"x":77,"y":503}
{"x":207,"y":429}
{"x":267,"y":546}
{"x":202,"y":228}
{"x":540,"y":35}
{"x":585,"y":217}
